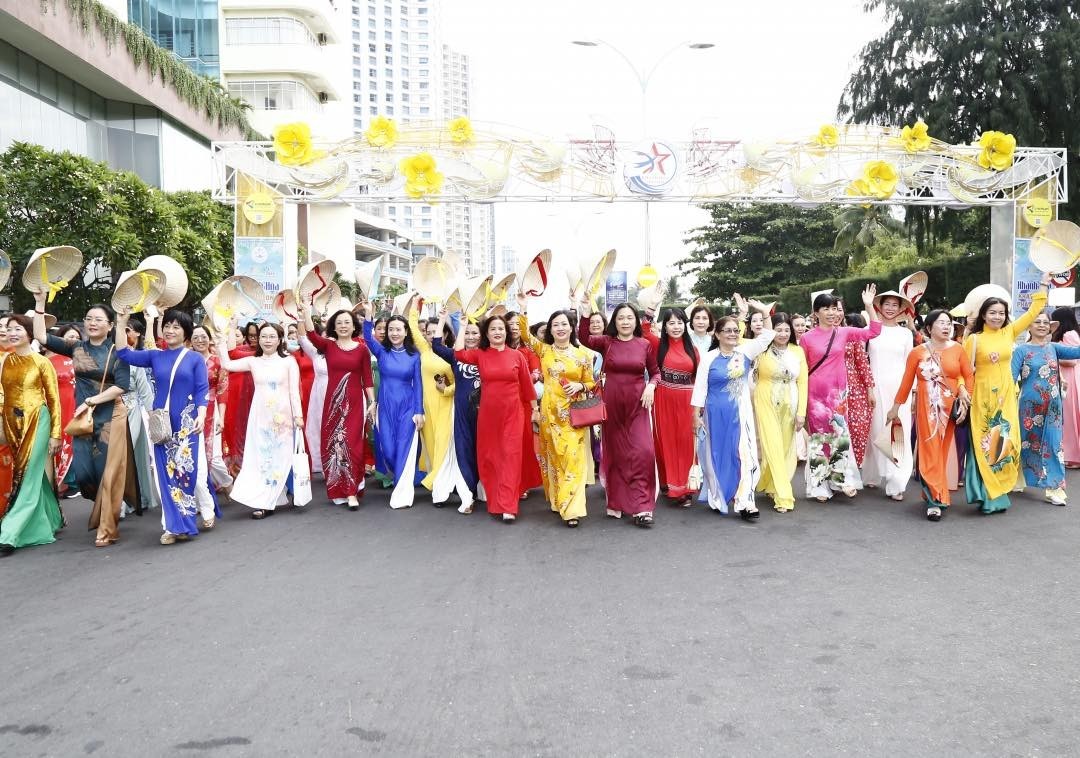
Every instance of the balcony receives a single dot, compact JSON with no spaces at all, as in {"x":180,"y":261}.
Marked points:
{"x":321,"y":16}
{"x":369,"y":245}
{"x":307,"y":63}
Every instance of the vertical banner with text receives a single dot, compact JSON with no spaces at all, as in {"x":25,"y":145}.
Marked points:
{"x":263,"y":259}
{"x":615,"y":290}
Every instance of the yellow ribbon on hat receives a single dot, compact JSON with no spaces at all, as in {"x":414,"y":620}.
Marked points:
{"x":475,"y":315}
{"x":52,"y":287}
{"x":1073,"y":255}
{"x":146,"y":280}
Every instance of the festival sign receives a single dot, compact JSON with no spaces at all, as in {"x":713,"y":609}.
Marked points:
{"x":615,"y":290}
{"x":263,"y":259}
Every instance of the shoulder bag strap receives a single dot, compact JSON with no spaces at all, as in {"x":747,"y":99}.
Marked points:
{"x":828,"y":349}
{"x":105,"y":371}
{"x":172,"y":376}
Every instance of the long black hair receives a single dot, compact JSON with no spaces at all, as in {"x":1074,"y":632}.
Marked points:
{"x":980,"y":320}
{"x":1066,"y":318}
{"x":281,"y":349}
{"x":611,"y":329}
{"x":665,"y":341}
{"x":548,"y":338}
{"x":408,"y":344}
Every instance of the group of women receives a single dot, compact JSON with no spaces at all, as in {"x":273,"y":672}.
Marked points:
{"x":169,"y":414}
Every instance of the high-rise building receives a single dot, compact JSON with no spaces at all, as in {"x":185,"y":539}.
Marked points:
{"x":402,"y":69}
{"x":289,"y":62}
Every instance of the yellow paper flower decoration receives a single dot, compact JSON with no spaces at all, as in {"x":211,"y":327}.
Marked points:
{"x":915,"y":138}
{"x":461,"y":130}
{"x":382,"y":132}
{"x":997,"y":150}
{"x":878,"y":181}
{"x":421,"y":177}
{"x":827,"y":136}
{"x":292,"y":145}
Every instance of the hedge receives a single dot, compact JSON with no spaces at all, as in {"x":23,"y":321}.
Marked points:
{"x":950,"y":280}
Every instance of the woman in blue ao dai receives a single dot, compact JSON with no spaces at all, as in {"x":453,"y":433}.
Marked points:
{"x":1035,"y":366}
{"x":728,"y":451}
{"x":181,"y":386}
{"x":400,"y":403}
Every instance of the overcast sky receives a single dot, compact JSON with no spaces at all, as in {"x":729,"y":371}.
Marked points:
{"x":777,"y":71}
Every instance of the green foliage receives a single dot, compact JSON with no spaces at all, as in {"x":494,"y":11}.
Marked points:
{"x":893,"y":251}
{"x":858,"y":228}
{"x":755,"y":249}
{"x":198,"y":91}
{"x":349,"y":288}
{"x":967,"y":66}
{"x":950,"y":280}
{"x":671,"y":290}
{"x":114,"y":218}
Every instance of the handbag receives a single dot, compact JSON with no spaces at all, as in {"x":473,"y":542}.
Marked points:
{"x":160,"y":425}
{"x":695,"y":477}
{"x":83,"y":424}
{"x":301,"y":473}
{"x":589,"y":411}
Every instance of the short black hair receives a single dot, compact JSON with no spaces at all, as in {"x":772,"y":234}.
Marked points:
{"x":181,"y":319}
{"x":356,"y":331}
{"x":484,"y":342}
{"x":110,"y":314}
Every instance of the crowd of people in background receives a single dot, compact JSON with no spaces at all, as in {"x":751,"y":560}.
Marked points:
{"x":137,"y":415}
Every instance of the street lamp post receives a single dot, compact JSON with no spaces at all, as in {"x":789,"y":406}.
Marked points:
{"x":644,"y":77}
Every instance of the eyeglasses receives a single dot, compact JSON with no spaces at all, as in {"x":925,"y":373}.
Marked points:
{"x":729,"y":331}
{"x":95,"y":321}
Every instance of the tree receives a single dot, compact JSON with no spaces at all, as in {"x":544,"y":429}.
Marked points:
{"x":113,"y":217}
{"x":671,"y":290}
{"x":858,"y":228}
{"x":967,"y":66}
{"x":756,"y":249}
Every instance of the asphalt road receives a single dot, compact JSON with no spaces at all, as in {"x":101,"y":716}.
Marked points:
{"x":842,"y":629}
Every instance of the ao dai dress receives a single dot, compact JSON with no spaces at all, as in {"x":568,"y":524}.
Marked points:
{"x":673,"y":419}
{"x":508,"y":393}
{"x":401,"y":397}
{"x":31,"y":415}
{"x":466,"y":395}
{"x":179,"y":462}
{"x":343,"y":413}
{"x":995,"y":420}
{"x":65,"y":382}
{"x":888,"y":356}
{"x":728,"y":452}
{"x":830,"y":461}
{"x":629,"y":470}
{"x":1036,"y":369}
{"x":939,"y":376}
{"x":562,"y":447}
{"x":779,"y":396}
{"x":313,"y":419}
{"x":860,"y":389}
{"x":271,"y":433}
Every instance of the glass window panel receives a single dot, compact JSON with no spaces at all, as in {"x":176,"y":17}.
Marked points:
{"x":120,"y":115}
{"x":121,"y":149}
{"x":9,"y":62}
{"x":28,"y":72}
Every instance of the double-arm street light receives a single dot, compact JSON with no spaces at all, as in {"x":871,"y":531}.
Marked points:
{"x":644,"y":77}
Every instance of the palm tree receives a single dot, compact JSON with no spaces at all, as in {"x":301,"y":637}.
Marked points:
{"x":859,"y":226}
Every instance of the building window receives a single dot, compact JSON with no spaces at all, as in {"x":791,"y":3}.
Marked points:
{"x":405,"y":84}
{"x":388,"y":36}
{"x":389,"y":73}
{"x":370,"y":48}
{"x":423,"y":23}
{"x":424,"y":72}
{"x":389,"y":60}
{"x":275,"y":95}
{"x":371,"y":60}
{"x":423,"y":61}
{"x":389,"y":97}
{"x":371,"y":36}
{"x":356,"y":36}
{"x":268,"y":31}
{"x":372,"y":97}
{"x":374,"y":111}
{"x":371,"y":23}
{"x":372,"y":73}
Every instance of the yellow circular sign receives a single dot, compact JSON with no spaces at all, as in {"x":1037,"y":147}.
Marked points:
{"x":1038,"y":212}
{"x":647,"y":276}
{"x":258,"y":207}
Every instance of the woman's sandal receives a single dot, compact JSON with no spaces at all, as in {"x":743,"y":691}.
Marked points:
{"x":571,"y":523}
{"x":260,"y":514}
{"x":104,"y":541}
{"x":644,"y":520}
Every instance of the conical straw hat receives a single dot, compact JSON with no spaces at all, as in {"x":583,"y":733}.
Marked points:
{"x":978,"y":296}
{"x":499,"y":290}
{"x":650,"y":297}
{"x":905,"y":304}
{"x":533,"y":278}
{"x":328,"y":297}
{"x":1055,"y":247}
{"x":368,"y":277}
{"x":400,"y":303}
{"x":50,"y":320}
{"x":175,"y":285}
{"x":51,"y":268}
{"x":434,"y":279}
{"x":237,"y":297}
{"x":137,"y":289}
{"x":913,"y":287}
{"x":314,"y":279}
{"x":595,"y":276}
{"x":690,"y":308}
{"x":284,"y":307}
{"x":473,"y":294}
